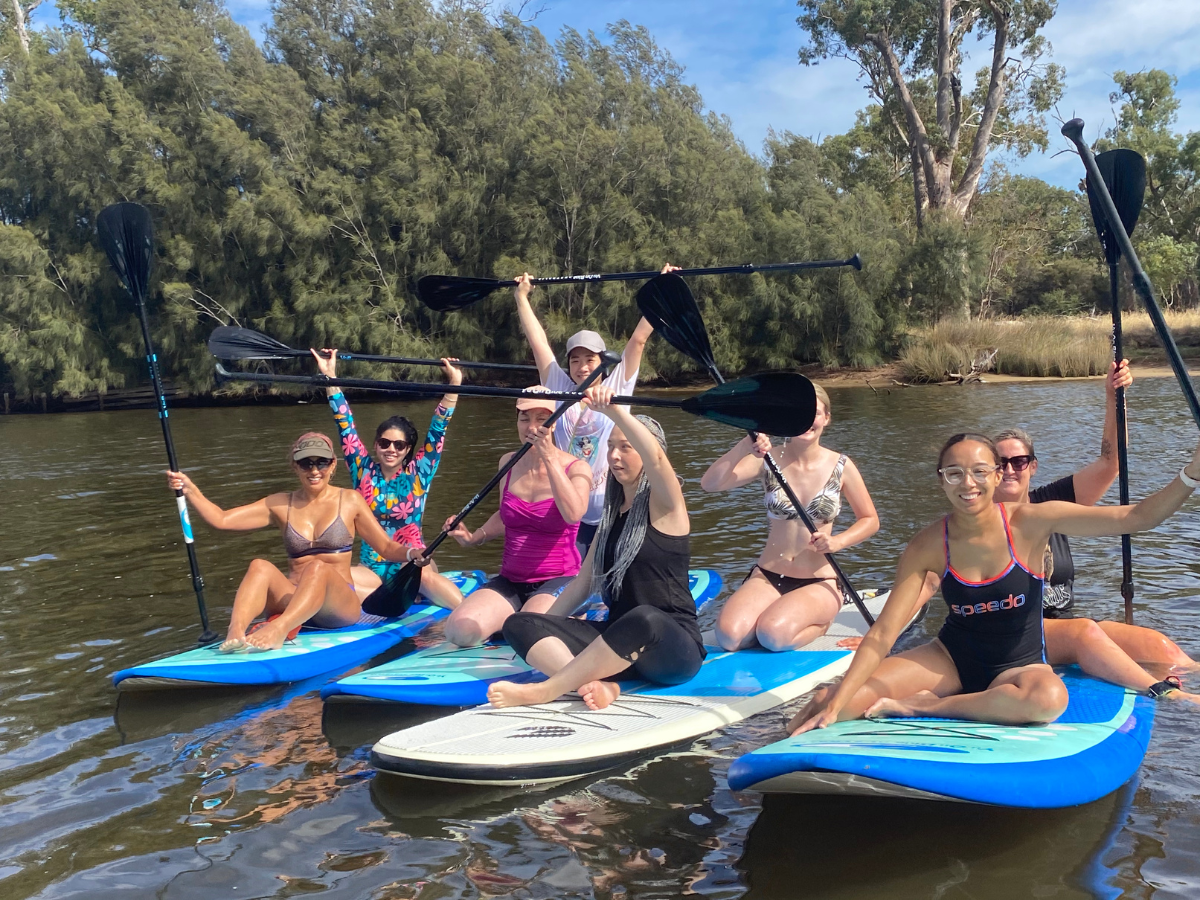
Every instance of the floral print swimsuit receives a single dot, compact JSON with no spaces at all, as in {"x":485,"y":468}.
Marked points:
{"x":397,"y":504}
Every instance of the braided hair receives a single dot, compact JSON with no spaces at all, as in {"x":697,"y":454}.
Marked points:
{"x":608,"y":583}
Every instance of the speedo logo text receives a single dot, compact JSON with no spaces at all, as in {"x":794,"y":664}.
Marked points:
{"x":1009,"y":602}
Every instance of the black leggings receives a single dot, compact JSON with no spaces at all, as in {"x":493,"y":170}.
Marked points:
{"x":658,"y":648}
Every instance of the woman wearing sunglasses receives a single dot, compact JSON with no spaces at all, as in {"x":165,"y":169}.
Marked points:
{"x":394,"y":478}
{"x":988,"y":662}
{"x":1071,"y":640}
{"x":319,"y":523}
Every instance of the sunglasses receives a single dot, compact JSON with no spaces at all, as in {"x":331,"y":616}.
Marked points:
{"x":314,"y":462}
{"x":384,"y":444}
{"x":956,"y":474}
{"x":1018,"y":463}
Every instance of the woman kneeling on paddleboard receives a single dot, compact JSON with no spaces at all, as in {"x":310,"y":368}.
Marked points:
{"x":988,"y":662}
{"x":317,"y":586}
{"x":791,"y":596}
{"x":541,"y":502}
{"x":394,"y":480}
{"x":638,"y":563}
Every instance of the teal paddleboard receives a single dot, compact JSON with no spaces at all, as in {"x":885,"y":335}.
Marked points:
{"x":1093,"y":748}
{"x":313,"y":651}
{"x":449,"y":675}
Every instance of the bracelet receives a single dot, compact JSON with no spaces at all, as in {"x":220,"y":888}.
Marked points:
{"x":1187,"y":480}
{"x":408,"y":554}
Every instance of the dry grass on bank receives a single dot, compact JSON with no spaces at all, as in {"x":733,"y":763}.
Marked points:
{"x":1036,"y":345}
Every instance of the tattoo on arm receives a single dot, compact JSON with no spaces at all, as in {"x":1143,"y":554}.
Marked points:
{"x":1106,"y":449}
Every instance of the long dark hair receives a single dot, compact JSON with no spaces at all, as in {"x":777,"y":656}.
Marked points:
{"x":400,"y":423}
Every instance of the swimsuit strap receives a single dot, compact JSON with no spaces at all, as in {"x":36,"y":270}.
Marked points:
{"x":1012,"y":551}
{"x":946,"y":541}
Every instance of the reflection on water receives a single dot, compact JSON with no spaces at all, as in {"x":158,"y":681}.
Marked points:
{"x":266,"y":793}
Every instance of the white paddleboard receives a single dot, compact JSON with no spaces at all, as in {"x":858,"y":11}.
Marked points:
{"x":562,"y":740}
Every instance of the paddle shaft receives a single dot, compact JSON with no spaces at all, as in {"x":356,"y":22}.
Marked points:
{"x":804,"y":517}
{"x":207,"y":636}
{"x":403,"y":387}
{"x":1122,"y":441}
{"x":407,"y":361}
{"x":1073,"y":131}
{"x":744,"y":269}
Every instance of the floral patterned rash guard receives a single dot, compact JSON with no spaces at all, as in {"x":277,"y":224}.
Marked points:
{"x":398,"y":504}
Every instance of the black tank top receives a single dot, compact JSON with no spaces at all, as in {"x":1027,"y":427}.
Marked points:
{"x":994,"y":624}
{"x":658,"y":576}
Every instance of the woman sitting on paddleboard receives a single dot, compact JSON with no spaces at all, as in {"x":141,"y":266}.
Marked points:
{"x":319,"y":523}
{"x":988,"y":662}
{"x":1106,"y":650}
{"x":638,"y":563}
{"x":791,"y":595}
{"x":394,"y":479}
{"x":541,"y":502}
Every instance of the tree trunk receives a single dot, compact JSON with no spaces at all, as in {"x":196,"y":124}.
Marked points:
{"x":19,"y":24}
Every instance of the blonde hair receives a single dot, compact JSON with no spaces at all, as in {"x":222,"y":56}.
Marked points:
{"x":823,"y":396}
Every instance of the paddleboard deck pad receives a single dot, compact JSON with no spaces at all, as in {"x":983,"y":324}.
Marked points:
{"x":1093,"y":748}
{"x":449,"y":675}
{"x":562,"y":740}
{"x":312,"y":652}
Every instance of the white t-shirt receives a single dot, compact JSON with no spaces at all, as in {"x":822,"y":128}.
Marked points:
{"x":583,"y":432}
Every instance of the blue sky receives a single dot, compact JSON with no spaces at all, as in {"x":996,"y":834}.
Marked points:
{"x":742,"y":56}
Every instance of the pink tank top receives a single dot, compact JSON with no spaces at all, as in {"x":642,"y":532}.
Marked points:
{"x":539,"y":543}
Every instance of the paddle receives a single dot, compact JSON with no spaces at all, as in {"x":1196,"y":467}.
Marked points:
{"x":668,"y":304}
{"x":1073,"y":131}
{"x":396,"y":595}
{"x":1124,"y":174}
{"x":446,"y":293}
{"x":775,"y":402}
{"x":127,"y":235}
{"x":231,"y":342}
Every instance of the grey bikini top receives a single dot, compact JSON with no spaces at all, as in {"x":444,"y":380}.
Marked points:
{"x":822,"y":509}
{"x":336,"y":538}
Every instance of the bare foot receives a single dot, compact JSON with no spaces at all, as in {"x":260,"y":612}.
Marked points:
{"x":505,"y":693}
{"x":599,"y":694}
{"x":909,"y":707}
{"x":232,"y":643}
{"x":267,"y":636}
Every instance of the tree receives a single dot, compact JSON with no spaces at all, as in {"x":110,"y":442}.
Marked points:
{"x":910,"y":50}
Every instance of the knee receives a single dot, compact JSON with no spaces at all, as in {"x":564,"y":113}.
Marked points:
{"x":463,"y":629}
{"x":260,"y":568}
{"x":775,"y":633}
{"x":1091,"y":633}
{"x":732,"y":629}
{"x":1047,"y":700}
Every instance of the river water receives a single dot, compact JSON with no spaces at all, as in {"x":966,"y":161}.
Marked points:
{"x":258,"y":794}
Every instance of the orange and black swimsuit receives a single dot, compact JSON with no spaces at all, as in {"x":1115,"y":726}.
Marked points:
{"x":995,"y":625}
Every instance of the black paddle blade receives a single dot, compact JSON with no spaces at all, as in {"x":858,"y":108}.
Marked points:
{"x":667,"y":303}
{"x":446,"y":293}
{"x":396,"y":594}
{"x":779,"y":403}
{"x":1124,"y":172}
{"x":127,"y":235}
{"x":231,"y":342}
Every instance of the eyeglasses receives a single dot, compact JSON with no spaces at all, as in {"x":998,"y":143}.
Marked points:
{"x":314,"y":462}
{"x":384,"y":444}
{"x":956,"y":474}
{"x":1018,"y":463}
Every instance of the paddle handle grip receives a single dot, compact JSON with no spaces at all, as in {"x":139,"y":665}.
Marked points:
{"x":1073,"y":131}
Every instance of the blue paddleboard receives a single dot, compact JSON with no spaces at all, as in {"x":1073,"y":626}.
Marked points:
{"x":1093,"y":748}
{"x":313,"y":651}
{"x":449,"y":675}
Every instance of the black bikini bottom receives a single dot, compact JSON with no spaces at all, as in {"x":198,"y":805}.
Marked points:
{"x":785,"y":584}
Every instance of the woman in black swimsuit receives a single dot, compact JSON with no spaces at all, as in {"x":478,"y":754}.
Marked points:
{"x":638,"y":563}
{"x":318,"y":585}
{"x":988,"y":662}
